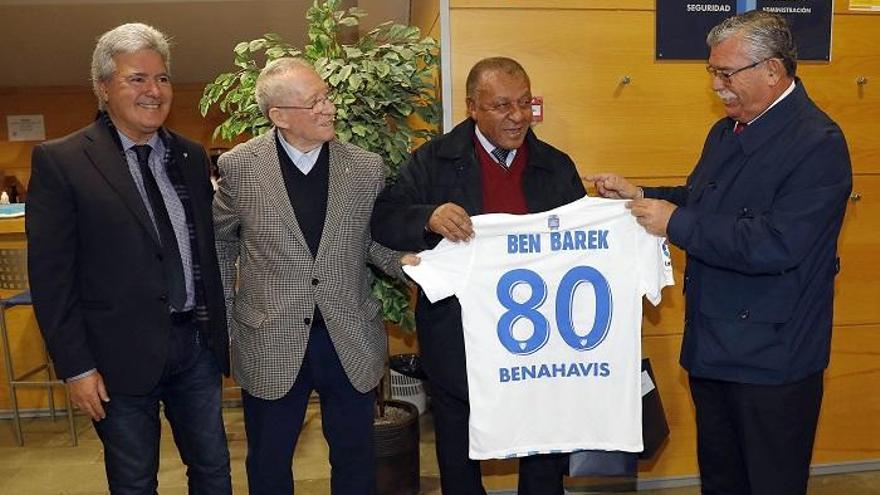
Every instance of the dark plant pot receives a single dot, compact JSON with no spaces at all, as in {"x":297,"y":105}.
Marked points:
{"x":397,"y":449}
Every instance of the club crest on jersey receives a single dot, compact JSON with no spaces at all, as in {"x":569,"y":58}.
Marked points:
{"x":553,"y":222}
{"x":667,"y":257}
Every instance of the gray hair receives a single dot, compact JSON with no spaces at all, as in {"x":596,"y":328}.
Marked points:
{"x":127,"y":38}
{"x":766,"y":35}
{"x":270,"y":87}
{"x":506,"y":65}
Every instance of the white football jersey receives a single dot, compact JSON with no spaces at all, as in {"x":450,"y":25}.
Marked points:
{"x":551,"y":307}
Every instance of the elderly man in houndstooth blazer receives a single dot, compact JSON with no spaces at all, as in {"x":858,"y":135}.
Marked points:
{"x":293,"y":209}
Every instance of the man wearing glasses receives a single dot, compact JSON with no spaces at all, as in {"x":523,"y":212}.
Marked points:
{"x":490,"y":163}
{"x":759,"y":219}
{"x":124,"y":273}
{"x":291,"y":215}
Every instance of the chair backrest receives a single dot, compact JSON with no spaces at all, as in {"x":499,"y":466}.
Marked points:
{"x":13,"y":269}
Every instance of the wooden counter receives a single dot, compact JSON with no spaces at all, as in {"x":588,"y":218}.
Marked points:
{"x":24,"y":334}
{"x":12,"y":228}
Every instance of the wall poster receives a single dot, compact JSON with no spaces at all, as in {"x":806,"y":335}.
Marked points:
{"x":682,"y":25}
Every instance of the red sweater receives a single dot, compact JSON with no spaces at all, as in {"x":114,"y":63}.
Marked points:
{"x":502,"y":187}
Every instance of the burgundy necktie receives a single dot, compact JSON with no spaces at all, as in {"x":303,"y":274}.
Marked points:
{"x":739,"y":127}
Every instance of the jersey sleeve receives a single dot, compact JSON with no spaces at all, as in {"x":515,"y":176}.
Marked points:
{"x":442,"y":270}
{"x":656,"y":266}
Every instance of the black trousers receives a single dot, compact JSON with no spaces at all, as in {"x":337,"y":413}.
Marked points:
{"x":755,"y":439}
{"x":460,"y":475}
{"x":542,"y":474}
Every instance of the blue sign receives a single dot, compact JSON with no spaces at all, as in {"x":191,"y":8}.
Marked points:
{"x":682,"y":25}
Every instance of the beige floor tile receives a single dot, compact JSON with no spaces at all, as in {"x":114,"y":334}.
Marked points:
{"x":48,"y":465}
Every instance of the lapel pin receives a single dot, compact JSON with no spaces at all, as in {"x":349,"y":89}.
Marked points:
{"x":185,"y":154}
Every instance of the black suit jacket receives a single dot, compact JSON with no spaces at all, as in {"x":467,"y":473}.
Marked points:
{"x":446,"y":170}
{"x":94,"y":260}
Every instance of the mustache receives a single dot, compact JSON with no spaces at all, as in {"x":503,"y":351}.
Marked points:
{"x":725,"y":95}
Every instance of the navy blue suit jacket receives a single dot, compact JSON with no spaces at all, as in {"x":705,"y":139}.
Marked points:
{"x":759,"y":220}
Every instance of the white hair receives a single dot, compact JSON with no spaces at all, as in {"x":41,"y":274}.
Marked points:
{"x":270,"y":87}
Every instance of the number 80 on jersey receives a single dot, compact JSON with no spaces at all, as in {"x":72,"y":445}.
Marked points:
{"x":565,"y":303}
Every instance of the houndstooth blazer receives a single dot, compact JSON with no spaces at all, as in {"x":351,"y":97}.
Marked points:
{"x":279,"y":282}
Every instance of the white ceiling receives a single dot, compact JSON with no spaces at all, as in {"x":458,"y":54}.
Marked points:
{"x":49,"y":42}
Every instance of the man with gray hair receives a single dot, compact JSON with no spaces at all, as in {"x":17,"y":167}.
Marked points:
{"x":292,"y":219}
{"x":759,"y":219}
{"x":124,"y":273}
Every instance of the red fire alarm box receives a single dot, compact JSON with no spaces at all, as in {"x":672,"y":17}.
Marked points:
{"x":537,"y":109}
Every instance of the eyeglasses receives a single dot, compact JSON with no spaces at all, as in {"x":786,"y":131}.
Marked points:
{"x":726,"y":75}
{"x":319,"y":101}
{"x":505,"y":107}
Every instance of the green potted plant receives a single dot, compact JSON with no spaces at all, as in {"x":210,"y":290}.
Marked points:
{"x":383,"y":85}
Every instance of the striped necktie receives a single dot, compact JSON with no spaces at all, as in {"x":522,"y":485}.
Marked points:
{"x":500,"y":154}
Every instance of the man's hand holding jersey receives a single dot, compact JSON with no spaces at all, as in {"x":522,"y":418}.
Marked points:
{"x":652,"y":214}
{"x":452,"y":222}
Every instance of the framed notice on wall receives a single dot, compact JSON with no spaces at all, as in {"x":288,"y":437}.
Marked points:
{"x":864,"y":5}
{"x":682,"y":25}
